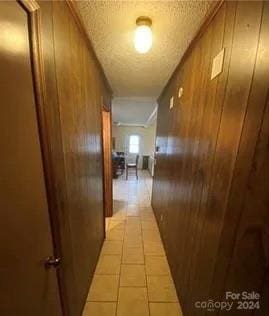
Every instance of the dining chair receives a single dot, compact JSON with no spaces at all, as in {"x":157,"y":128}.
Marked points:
{"x":132,"y":166}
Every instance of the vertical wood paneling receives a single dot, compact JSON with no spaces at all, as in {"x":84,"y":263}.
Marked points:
{"x":222,"y":28}
{"x":75,"y":90}
{"x":58,"y":193}
{"x":247,"y":23}
{"x":207,"y":144}
{"x":81,"y":130}
{"x":242,"y":224}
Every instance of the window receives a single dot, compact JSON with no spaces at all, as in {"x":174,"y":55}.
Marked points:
{"x":134,"y":144}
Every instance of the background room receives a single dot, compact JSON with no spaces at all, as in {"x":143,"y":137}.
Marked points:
{"x":133,"y":132}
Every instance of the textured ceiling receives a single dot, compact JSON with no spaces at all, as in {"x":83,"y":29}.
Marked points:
{"x":111,"y":26}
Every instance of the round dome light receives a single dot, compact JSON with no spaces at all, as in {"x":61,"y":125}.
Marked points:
{"x":143,"y":35}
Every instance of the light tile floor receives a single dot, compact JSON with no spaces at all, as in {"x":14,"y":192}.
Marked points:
{"x":132,"y":276}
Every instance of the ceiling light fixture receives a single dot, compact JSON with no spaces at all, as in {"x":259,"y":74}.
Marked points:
{"x":143,"y":35}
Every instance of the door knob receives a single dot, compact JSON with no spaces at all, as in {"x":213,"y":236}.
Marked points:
{"x":52,"y":262}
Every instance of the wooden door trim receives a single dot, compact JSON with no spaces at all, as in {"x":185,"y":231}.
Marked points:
{"x":105,"y":108}
{"x":111,"y":179}
{"x":109,"y":212}
{"x":30,"y":5}
{"x":33,"y":9}
{"x":103,"y":172}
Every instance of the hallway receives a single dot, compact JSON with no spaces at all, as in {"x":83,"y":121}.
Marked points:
{"x":132,"y":276}
{"x":177,"y":91}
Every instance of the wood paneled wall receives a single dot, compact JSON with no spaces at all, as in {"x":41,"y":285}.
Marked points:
{"x":210,"y":190}
{"x":74,"y":91}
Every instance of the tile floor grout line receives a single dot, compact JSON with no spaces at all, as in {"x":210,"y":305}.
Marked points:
{"x":145,"y":270}
{"x":141,"y":287}
{"x":118,"y":295}
{"x":139,"y":216}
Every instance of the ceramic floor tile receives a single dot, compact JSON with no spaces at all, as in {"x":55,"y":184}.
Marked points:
{"x":153,"y":248}
{"x":115,"y":234}
{"x":152,"y":232}
{"x":134,"y":241}
{"x":133,"y":206}
{"x":133,"y":220}
{"x":119,"y":204}
{"x":161,"y":289}
{"x":112,"y":247}
{"x":116,"y":224}
{"x":156,"y":265}
{"x":132,"y":275}
{"x":119,"y":214}
{"x":147,"y":216}
{"x":108,"y":264}
{"x":133,"y":230}
{"x":145,"y":203}
{"x":104,"y":288}
{"x":165,"y":309}
{"x":132,"y":302}
{"x":133,"y":210}
{"x":132,"y":198}
{"x":143,"y":198}
{"x":151,"y":235}
{"x":146,"y":210}
{"x":133,"y":225}
{"x":149,"y":225}
{"x":132,"y":268}
{"x":133,"y":255}
{"x":132,"y":213}
{"x":100,"y":309}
